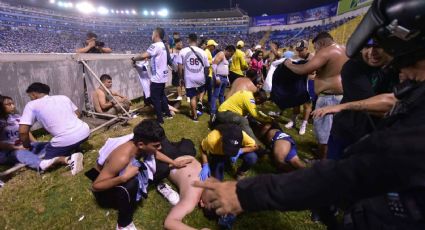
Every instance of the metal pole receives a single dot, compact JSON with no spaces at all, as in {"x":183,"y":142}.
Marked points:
{"x":104,"y":87}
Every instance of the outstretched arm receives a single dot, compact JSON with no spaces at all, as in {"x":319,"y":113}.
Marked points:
{"x":379,"y":104}
{"x":314,"y":64}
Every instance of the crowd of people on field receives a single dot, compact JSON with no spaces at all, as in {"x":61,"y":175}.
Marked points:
{"x":365,"y":102}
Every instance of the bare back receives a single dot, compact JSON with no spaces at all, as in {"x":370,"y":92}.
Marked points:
{"x":328,"y":77}
{"x":242,"y":83}
{"x":184,"y":177}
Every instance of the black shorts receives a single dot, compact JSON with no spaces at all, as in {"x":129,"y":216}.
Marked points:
{"x":233,"y":76}
{"x":193,"y":92}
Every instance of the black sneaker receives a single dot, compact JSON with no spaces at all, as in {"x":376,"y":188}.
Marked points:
{"x":195,"y":119}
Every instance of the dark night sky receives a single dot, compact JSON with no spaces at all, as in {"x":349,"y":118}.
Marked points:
{"x":253,"y":7}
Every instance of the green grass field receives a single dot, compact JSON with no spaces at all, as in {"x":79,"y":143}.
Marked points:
{"x":57,"y":200}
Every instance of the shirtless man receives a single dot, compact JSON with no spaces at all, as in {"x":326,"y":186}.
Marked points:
{"x":104,"y":103}
{"x":250,"y":83}
{"x":303,"y":54}
{"x":183,"y":178}
{"x":328,"y":62}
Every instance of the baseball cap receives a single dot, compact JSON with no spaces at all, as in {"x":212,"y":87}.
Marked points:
{"x":240,"y":43}
{"x":301,"y":45}
{"x":231,"y":136}
{"x":212,"y":43}
{"x":257,"y":47}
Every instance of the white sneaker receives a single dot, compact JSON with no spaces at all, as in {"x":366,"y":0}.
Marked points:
{"x":131,"y":226}
{"x":172,"y":196}
{"x":289,"y":125}
{"x":76,"y":163}
{"x":179,"y":98}
{"x":274,"y":114}
{"x":302,"y":129}
{"x":45,"y":164}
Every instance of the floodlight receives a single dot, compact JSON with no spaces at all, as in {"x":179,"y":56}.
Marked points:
{"x":71,"y":5}
{"x":134,"y":12}
{"x":127,"y":12}
{"x":52,"y":1}
{"x":102,"y":10}
{"x":85,"y":7}
{"x":61,"y":4}
{"x":122,"y":11}
{"x":145,"y":12}
{"x":153,"y":13}
{"x":163,"y":13}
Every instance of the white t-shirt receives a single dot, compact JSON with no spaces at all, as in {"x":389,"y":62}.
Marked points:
{"x":193,"y":69}
{"x":158,"y":62}
{"x":57,"y":115}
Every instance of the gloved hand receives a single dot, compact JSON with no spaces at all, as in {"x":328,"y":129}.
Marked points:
{"x":235,"y":158}
{"x":205,"y":172}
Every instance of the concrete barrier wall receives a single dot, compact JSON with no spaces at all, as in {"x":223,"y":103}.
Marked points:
{"x":64,"y":74}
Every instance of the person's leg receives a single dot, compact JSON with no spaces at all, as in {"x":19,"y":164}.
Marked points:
{"x":249,"y":159}
{"x":223,"y":85}
{"x":306,"y":115}
{"x":215,"y":96}
{"x":164,"y":101}
{"x":193,"y":103}
{"x":293,"y":122}
{"x":155,"y":89}
{"x":217,"y":164}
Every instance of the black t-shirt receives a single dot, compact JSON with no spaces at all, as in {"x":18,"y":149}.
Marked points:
{"x":359,"y":82}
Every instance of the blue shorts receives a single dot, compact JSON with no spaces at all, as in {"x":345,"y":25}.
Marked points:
{"x":52,"y":152}
{"x":279,"y":135}
{"x":193,"y":92}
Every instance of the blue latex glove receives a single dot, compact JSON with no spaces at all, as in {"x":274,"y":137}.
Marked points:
{"x":235,"y":158}
{"x":205,"y":172}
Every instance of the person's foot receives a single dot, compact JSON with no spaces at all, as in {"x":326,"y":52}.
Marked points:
{"x":46,"y":164}
{"x":315,"y":217}
{"x":227,"y":221}
{"x":179,"y":98}
{"x":168,"y":193}
{"x":302,"y":129}
{"x":274,"y":114}
{"x":131,"y":226}
{"x":168,"y":117}
{"x":200,"y":107}
{"x":289,"y":125}
{"x":240,"y":175}
{"x":199,"y":113}
{"x":76,"y":163}
{"x":195,"y":119}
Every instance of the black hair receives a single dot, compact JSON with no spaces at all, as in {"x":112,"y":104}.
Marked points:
{"x":148,"y":131}
{"x":261,"y":95}
{"x":251,"y":74}
{"x":230,"y":48}
{"x":91,"y":35}
{"x":276,"y":43}
{"x":193,"y":38}
{"x":3,"y":114}
{"x":38,"y":87}
{"x":105,"y":77}
{"x":160,"y":31}
{"x":256,"y":54}
{"x":321,"y":36}
{"x":177,"y":40}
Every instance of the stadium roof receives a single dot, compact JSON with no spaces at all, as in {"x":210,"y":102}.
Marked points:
{"x":252,"y":7}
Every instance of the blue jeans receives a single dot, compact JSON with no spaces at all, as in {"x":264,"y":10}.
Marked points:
{"x":218,"y":92}
{"x":29,"y":158}
{"x":218,"y":163}
{"x":52,"y":152}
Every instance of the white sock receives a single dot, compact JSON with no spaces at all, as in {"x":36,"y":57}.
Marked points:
{"x":304,"y":123}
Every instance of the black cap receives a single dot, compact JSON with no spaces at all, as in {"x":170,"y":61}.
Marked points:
{"x":231,"y":138}
{"x":397,"y":25}
{"x":301,"y":45}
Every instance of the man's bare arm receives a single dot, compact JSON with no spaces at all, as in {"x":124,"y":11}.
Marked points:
{"x":142,"y":56}
{"x":318,"y":61}
{"x":101,"y":97}
{"x":108,"y":176}
{"x":24,"y":135}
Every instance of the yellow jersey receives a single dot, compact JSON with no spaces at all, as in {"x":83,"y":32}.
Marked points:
{"x":238,"y":64}
{"x":242,"y":103}
{"x":212,"y":144}
{"x":210,"y":60}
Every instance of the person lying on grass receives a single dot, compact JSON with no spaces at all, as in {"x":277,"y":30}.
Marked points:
{"x":283,"y":147}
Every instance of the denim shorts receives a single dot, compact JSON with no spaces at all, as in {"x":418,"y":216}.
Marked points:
{"x":323,"y":125}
